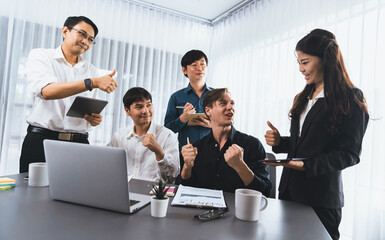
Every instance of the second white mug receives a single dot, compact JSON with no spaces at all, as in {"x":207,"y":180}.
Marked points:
{"x":248,"y":204}
{"x":38,"y":176}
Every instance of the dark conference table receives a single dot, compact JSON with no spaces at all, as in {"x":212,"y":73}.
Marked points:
{"x":28,"y":213}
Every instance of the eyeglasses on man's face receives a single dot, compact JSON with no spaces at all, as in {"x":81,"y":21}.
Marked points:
{"x":84,"y":35}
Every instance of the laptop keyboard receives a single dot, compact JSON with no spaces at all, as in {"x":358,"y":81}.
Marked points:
{"x":133,"y":202}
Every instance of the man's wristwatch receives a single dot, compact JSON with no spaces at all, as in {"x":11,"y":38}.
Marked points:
{"x":88,"y":83}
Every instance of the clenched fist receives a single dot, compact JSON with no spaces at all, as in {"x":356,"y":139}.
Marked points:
{"x":234,"y":156}
{"x":149,"y":141}
{"x":189,"y":154}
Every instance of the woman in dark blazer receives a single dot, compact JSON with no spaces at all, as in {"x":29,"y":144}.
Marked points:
{"x":328,"y":121}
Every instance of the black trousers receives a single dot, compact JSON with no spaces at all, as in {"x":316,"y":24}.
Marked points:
{"x":330,"y":217}
{"x":33,"y":150}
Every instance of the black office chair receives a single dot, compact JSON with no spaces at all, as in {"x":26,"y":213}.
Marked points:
{"x":273,"y":175}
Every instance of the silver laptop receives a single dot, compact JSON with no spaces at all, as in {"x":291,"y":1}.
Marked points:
{"x":89,"y":175}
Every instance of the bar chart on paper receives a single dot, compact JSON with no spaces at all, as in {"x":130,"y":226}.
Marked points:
{"x":199,"y":197}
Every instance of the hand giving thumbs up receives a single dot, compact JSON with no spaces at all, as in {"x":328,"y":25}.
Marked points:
{"x":272,"y":136}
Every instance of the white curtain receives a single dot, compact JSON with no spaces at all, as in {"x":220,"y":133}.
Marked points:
{"x":144,"y":45}
{"x":252,"y":52}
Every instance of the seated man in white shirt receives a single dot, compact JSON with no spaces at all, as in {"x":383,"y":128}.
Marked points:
{"x":152,"y":149}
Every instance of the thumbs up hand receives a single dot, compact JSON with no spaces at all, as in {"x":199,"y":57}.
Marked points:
{"x":105,"y":83}
{"x":272,"y":136}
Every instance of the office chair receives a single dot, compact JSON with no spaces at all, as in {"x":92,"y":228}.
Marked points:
{"x":273,"y":175}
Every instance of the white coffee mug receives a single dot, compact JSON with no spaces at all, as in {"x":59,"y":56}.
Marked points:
{"x":248,"y":204}
{"x":37,"y":174}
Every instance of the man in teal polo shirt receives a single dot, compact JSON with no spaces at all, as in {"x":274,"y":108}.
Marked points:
{"x":194,"y":66}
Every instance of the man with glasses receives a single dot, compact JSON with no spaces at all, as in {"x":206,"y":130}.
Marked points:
{"x":56,"y":77}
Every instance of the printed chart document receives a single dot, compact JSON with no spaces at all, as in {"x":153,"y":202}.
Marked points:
{"x":199,"y":197}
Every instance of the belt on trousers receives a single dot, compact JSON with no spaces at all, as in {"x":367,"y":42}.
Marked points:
{"x":58,"y":135}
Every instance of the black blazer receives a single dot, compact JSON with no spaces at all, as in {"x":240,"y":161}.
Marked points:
{"x":320,"y":185}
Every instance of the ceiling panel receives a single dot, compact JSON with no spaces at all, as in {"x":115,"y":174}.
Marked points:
{"x":206,"y":9}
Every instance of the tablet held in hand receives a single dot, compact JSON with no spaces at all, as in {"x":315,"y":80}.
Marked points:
{"x":194,"y":116}
{"x":282,"y":160}
{"x":83,"y":105}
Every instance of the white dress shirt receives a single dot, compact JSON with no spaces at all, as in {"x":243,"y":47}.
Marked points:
{"x":310,"y":104}
{"x":46,"y":66}
{"x":141,"y":161}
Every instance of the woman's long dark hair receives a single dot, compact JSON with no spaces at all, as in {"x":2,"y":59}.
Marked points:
{"x":337,"y":84}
